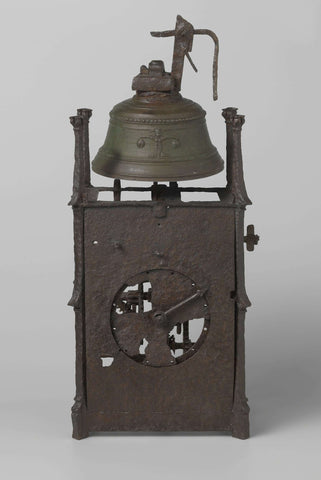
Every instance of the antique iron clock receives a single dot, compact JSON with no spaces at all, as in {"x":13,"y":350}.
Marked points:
{"x":159,"y":293}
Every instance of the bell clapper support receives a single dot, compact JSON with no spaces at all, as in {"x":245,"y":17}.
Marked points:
{"x":184,"y":33}
{"x":117,"y":190}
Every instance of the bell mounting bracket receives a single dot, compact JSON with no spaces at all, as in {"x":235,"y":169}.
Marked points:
{"x":154,"y":78}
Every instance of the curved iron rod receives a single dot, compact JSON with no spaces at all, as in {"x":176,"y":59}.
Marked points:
{"x":205,"y":31}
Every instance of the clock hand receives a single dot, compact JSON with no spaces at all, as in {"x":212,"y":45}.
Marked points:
{"x":172,"y":309}
{"x":163,"y":315}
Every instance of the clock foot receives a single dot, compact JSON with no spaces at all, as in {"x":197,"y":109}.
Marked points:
{"x":240,"y":426}
{"x":79,"y":422}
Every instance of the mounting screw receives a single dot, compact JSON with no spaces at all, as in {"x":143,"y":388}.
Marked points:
{"x":251,"y":239}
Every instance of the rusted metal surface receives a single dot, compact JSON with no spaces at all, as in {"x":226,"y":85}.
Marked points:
{"x":154,"y":78}
{"x":159,"y":291}
{"x":184,"y":34}
{"x":234,"y":162}
{"x":195,"y":392}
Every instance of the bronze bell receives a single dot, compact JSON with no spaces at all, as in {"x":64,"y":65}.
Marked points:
{"x":158,"y":135}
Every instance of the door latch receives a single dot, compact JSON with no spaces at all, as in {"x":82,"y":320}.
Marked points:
{"x":251,"y":239}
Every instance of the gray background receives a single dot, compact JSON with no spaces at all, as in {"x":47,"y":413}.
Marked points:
{"x":62,"y":54}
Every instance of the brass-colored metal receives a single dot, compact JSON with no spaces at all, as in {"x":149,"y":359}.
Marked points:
{"x":158,"y":135}
{"x":158,"y":139}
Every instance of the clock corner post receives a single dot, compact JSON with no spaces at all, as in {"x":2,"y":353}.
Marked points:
{"x":81,"y":182}
{"x":234,"y":162}
{"x":240,"y":411}
{"x":236,"y":186}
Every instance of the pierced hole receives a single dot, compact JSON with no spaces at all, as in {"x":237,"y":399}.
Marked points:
{"x":195,"y":328}
{"x":95,"y":242}
{"x":143,"y":346}
{"x":139,"y":196}
{"x":106,"y":361}
{"x":178,"y":352}
{"x":105,"y":196}
{"x":147,"y":286}
{"x":199,"y":196}
{"x":147,"y":306}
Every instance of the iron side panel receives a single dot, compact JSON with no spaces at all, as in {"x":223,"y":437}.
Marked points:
{"x":196,"y":394}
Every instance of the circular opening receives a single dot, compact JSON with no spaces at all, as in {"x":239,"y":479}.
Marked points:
{"x":159,"y":319}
